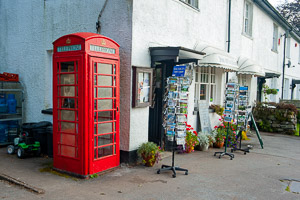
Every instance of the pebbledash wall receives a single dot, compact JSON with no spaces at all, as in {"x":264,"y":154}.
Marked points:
{"x":28,"y":29}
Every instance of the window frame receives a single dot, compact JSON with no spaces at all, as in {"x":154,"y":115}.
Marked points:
{"x":288,"y":48}
{"x":135,"y":90}
{"x":192,"y":3}
{"x":275,"y":38}
{"x":248,"y":17}
{"x":205,"y":76}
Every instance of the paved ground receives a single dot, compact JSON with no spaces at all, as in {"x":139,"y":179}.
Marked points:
{"x":253,"y":176}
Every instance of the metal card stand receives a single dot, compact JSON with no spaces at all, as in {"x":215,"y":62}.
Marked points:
{"x":223,"y":153}
{"x":230,"y":97}
{"x":173,"y":168}
{"x":245,"y":150}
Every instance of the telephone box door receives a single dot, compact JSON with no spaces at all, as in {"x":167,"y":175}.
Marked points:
{"x":104,"y":142}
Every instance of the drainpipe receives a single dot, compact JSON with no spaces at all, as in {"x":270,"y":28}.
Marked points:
{"x":283,"y":65}
{"x":98,"y":23}
{"x":228,"y":35}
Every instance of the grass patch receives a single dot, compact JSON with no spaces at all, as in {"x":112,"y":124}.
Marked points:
{"x":287,"y":188}
{"x":49,"y":168}
{"x":298,"y":128}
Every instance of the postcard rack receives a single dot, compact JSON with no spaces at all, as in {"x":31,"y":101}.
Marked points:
{"x":242,"y":116}
{"x":230,"y":101}
{"x":175,"y":117}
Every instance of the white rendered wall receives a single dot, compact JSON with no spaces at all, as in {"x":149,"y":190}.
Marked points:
{"x":28,"y":29}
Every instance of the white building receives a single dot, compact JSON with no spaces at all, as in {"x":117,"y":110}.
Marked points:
{"x":28,"y":29}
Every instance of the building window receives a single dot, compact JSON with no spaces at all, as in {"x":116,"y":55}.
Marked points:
{"x":275,"y":37}
{"x":288,"y":47}
{"x":193,"y":3}
{"x":248,"y":10}
{"x":205,"y":84}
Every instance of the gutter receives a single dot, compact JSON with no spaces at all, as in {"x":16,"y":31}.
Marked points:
{"x":271,"y":11}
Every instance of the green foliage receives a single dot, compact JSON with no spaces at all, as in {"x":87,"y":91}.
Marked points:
{"x":149,"y":151}
{"x":94,"y":176}
{"x":203,"y":139}
{"x":191,"y":139}
{"x":218,"y":109}
{"x":290,"y":11}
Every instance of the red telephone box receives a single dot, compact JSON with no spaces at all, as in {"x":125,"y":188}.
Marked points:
{"x":85,"y":104}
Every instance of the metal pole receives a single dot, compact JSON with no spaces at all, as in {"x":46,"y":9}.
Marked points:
{"x":228,"y":35}
{"x":283,"y":66}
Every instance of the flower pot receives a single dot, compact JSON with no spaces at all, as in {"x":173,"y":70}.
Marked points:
{"x":203,"y":147}
{"x":149,"y":161}
{"x":189,"y":149}
{"x":219,"y":144}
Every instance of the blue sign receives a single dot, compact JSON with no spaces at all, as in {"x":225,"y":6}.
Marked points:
{"x":179,"y":70}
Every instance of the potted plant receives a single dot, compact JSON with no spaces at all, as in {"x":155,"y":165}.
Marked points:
{"x":203,"y":142}
{"x":191,"y":139}
{"x":219,"y":140}
{"x":150,"y":153}
{"x":211,"y":139}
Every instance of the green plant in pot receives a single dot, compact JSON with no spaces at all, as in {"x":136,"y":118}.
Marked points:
{"x":203,"y":142}
{"x":219,"y":140}
{"x":150,"y":153}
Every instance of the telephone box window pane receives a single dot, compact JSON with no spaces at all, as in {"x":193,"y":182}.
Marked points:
{"x":68,"y":103}
{"x":105,"y":81}
{"x":95,"y":141}
{"x":105,"y":104}
{"x":105,"y":151}
{"x":114,"y":69}
{"x":105,"y":128}
{"x":67,"y":91}
{"x":95,"y":153}
{"x":67,"y":67}
{"x":95,"y":68}
{"x":68,"y":151}
{"x":95,"y":104}
{"x":105,"y":92}
{"x":114,"y":149}
{"x":67,"y":127}
{"x":68,"y":115}
{"x":105,"y":116}
{"x":104,"y":68}
{"x":105,"y":139}
{"x":67,"y":79}
{"x":95,"y":129}
{"x":68,"y":139}
{"x":114,"y":137}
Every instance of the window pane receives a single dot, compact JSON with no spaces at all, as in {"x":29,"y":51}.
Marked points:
{"x":68,"y":115}
{"x":105,"y":116}
{"x":105,"y":151}
{"x":104,"y":68}
{"x":67,"y":127}
{"x":105,"y":81}
{"x":67,"y":91}
{"x":202,"y":92}
{"x":105,"y":139}
{"x":67,"y":79}
{"x":105,"y":92}
{"x":105,"y":128}
{"x":68,"y":151}
{"x":68,"y":139}
{"x":68,"y":102}
{"x":105,"y":104}
{"x":67,"y":67}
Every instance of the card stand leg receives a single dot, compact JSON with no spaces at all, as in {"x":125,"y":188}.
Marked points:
{"x":173,"y":168}
{"x":245,"y":150}
{"x":224,"y":153}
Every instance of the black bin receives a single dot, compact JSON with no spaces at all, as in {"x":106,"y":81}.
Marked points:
{"x":38,"y":132}
{"x":49,"y":131}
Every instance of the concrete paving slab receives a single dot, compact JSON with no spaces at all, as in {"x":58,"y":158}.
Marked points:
{"x":295,"y":186}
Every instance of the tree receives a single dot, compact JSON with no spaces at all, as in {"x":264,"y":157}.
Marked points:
{"x":291,"y":12}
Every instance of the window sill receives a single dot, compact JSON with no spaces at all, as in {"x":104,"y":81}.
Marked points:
{"x":189,"y":5}
{"x":275,"y":51}
{"x":247,"y":36}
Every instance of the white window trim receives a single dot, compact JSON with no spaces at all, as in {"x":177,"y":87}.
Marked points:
{"x":275,"y":38}
{"x":288,"y":48}
{"x":208,"y":85}
{"x":192,"y":3}
{"x":299,"y":54}
{"x":249,"y":18}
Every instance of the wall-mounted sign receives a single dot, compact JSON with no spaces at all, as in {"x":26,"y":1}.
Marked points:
{"x":76,"y":47}
{"x":179,"y":70}
{"x":142,"y":86}
{"x":102,"y":49}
